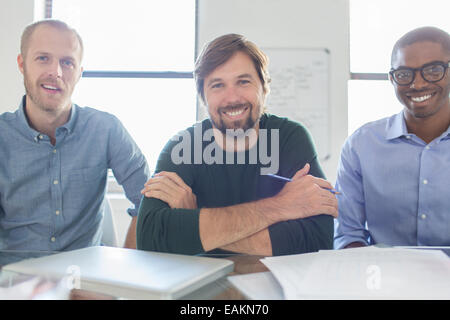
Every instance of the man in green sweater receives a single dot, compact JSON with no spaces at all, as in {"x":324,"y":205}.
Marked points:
{"x":213,"y":190}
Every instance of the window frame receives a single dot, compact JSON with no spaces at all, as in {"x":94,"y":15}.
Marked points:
{"x":113,"y":186}
{"x":139,"y":74}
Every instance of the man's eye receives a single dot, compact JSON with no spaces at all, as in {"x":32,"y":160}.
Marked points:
{"x":42,"y":58}
{"x":67,"y":63}
{"x":216,"y":85}
{"x":244,"y":82}
{"x":404,"y":74}
{"x":434,"y":69}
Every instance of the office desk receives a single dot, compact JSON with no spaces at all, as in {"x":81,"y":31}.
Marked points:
{"x":220,"y":289}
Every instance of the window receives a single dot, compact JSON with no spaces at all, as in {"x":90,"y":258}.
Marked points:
{"x":138,"y":63}
{"x":375,"y":26}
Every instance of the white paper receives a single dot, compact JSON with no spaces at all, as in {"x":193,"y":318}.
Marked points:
{"x":363,"y":273}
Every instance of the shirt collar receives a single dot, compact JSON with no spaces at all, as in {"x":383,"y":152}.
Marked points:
{"x":70,"y":125}
{"x":23,"y":121}
{"x":446,"y":134}
{"x":396,"y":127}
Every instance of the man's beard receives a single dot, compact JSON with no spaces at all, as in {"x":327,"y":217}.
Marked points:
{"x":248,"y":123}
{"x":32,"y":92}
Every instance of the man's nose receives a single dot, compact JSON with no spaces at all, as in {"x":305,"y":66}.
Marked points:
{"x":419,"y":81}
{"x":232,"y":95}
{"x":55,"y":69}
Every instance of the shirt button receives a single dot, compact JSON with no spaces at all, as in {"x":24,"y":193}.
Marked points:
{"x":57,"y":212}
{"x":54,"y":150}
{"x":55,"y":181}
{"x":41,"y":136}
{"x":425,"y":181}
{"x":408,"y":137}
{"x":52,"y":239}
{"x":427,"y":147}
{"x":423,"y":216}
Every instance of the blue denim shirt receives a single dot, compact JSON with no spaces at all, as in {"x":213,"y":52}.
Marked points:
{"x":52,"y":196}
{"x":394,"y":187}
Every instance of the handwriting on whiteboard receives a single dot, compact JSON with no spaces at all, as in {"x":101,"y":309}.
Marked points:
{"x":300,"y":91}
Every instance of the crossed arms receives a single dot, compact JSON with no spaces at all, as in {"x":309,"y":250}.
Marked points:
{"x":245,"y":227}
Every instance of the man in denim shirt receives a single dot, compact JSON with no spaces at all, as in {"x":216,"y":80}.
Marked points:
{"x":55,"y":155}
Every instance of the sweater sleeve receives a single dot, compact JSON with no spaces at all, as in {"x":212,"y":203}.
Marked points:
{"x":307,"y":234}
{"x":161,"y":228}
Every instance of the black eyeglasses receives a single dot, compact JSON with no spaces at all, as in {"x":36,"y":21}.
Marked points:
{"x":431,"y":72}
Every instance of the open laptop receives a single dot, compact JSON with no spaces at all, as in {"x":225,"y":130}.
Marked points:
{"x":127,"y":273}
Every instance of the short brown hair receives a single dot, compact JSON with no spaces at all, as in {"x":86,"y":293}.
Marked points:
{"x":219,"y":50}
{"x":28,"y":32}
{"x":422,"y":34}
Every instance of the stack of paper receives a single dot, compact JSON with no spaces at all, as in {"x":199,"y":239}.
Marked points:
{"x":363,"y":273}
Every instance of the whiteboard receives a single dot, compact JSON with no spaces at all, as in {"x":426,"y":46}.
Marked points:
{"x":299,"y":90}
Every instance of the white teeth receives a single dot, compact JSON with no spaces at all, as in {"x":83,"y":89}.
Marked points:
{"x":235,"y":113}
{"x":420,"y":99}
{"x":49,"y":87}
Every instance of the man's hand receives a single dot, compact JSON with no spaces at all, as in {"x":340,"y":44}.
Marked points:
{"x":170,"y":188}
{"x":306,"y":196}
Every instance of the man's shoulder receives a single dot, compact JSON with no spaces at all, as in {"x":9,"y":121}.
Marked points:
{"x":94,"y":117}
{"x":288,"y":128}
{"x":271,"y":121}
{"x":363,"y":138}
{"x":9,"y":116}
{"x":375,"y":127}
{"x":84,"y":111}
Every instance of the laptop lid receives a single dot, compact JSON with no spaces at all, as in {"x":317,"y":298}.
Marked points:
{"x":128,"y":273}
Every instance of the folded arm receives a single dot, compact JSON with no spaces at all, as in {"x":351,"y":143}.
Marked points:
{"x":245,"y":227}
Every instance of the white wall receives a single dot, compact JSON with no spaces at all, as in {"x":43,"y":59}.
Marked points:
{"x":290,"y":23}
{"x":14,"y":16}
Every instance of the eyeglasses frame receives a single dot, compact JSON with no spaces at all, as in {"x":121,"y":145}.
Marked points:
{"x":414,"y":70}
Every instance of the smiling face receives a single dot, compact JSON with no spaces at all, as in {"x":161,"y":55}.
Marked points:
{"x":422,"y":99}
{"x":51,"y":68}
{"x":234,"y":94}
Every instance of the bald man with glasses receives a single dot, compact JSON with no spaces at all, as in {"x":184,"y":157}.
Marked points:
{"x":394,"y":173}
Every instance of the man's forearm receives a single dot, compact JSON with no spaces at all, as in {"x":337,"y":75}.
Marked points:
{"x":257,"y":244}
{"x":130,"y":240}
{"x":222,"y":227}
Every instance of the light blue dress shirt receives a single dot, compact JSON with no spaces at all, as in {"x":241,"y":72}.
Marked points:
{"x":395,"y":187}
{"x":52,"y":197}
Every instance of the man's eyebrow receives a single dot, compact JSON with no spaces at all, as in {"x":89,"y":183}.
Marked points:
{"x":45,"y":53}
{"x":40,"y":53}
{"x":213,"y":80}
{"x":245,"y":75}
{"x":241,"y":76}
{"x":424,"y":65}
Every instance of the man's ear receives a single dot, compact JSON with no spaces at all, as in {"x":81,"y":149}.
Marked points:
{"x":20,"y":62}
{"x":81,"y":73}
{"x":391,"y":79}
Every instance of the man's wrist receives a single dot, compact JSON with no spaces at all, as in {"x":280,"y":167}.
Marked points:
{"x":271,"y":209}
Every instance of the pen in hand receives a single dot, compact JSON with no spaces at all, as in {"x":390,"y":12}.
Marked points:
{"x":289,"y":180}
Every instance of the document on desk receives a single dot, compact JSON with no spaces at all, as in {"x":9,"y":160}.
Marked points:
{"x":363,"y":273}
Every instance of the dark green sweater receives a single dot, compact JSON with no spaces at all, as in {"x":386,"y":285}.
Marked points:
{"x":160,"y":228}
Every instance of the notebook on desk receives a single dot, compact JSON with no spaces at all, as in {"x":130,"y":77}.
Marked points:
{"x":127,"y":273}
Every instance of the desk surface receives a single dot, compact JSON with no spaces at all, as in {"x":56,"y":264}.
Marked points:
{"x":221,"y":289}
